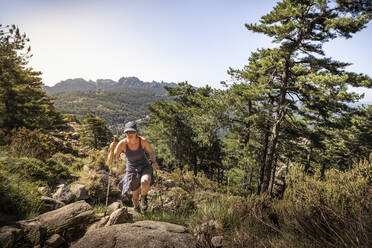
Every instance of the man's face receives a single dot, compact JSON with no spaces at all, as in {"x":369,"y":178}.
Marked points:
{"x":130,"y":134}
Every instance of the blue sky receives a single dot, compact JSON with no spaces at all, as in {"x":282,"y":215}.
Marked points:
{"x":161,"y":40}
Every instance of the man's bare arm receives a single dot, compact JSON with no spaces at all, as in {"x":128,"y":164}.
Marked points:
{"x":151,"y":153}
{"x":119,"y":148}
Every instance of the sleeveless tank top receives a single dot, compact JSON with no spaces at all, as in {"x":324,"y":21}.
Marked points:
{"x":136,"y":158}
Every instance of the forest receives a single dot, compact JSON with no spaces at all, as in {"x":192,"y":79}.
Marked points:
{"x":286,"y":149}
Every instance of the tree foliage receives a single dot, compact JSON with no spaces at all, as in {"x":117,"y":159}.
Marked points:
{"x":184,"y":131}
{"x":23,"y":103}
{"x":289,"y":105}
{"x":295,"y":80}
{"x":94,"y":132}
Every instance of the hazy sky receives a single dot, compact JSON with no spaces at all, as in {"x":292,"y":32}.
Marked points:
{"x":169,"y":40}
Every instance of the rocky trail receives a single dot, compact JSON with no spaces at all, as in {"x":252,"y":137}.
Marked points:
{"x":72,"y":222}
{"x":71,"y":217}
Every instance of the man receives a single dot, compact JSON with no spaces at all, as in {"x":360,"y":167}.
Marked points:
{"x":139,"y":175}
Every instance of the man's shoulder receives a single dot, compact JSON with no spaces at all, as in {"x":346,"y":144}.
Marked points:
{"x":123,"y":141}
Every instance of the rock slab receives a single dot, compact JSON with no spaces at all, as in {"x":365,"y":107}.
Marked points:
{"x":119,"y":216}
{"x":63,"y":194}
{"x":79,"y":191}
{"x":73,"y":214}
{"x":8,"y":235}
{"x":139,"y":234}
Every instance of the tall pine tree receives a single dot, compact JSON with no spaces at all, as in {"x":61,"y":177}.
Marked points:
{"x":296,"y":77}
{"x":23,"y":102}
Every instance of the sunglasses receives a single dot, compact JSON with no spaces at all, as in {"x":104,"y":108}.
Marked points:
{"x":130,"y":132}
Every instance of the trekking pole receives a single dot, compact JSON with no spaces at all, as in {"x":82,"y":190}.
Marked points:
{"x":160,"y":190}
{"x":108,"y":181}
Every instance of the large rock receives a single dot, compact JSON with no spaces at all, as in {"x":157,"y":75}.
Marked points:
{"x":119,"y":216}
{"x":79,"y":191}
{"x":34,"y":233}
{"x":98,"y":224}
{"x":63,"y":194}
{"x":54,"y":241}
{"x":113,"y":206}
{"x":73,"y":215}
{"x":139,"y":234}
{"x":52,"y":204}
{"x":8,"y":235}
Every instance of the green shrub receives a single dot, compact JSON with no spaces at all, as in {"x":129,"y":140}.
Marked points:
{"x":31,"y":143}
{"x":69,"y":160}
{"x":329,"y":212}
{"x":18,"y":196}
{"x":220,"y":209}
{"x":97,"y":160}
{"x":35,"y":170}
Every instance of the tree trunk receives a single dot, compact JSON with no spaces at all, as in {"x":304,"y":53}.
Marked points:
{"x":272,"y":181}
{"x":262,"y":161}
{"x":274,"y":136}
{"x":308,"y":160}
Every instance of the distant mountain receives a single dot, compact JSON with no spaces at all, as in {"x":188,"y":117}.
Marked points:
{"x":79,"y":84}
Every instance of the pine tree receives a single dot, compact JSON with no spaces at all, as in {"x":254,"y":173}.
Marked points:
{"x":23,"y":102}
{"x":296,"y":78}
{"x":184,"y":130}
{"x":95,"y":133}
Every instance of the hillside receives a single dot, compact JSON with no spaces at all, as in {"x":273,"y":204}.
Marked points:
{"x":116,"y":105}
{"x":79,"y":84}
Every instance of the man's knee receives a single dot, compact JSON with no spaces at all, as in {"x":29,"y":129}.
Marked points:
{"x":145,"y":180}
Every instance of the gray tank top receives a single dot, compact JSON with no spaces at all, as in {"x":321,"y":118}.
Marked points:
{"x":136,"y":158}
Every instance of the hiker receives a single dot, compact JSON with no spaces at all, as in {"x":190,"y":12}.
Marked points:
{"x":139,"y":175}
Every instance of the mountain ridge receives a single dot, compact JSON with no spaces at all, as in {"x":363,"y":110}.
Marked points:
{"x":80,"y":84}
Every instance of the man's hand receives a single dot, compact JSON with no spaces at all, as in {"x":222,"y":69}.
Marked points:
{"x":155,"y":165}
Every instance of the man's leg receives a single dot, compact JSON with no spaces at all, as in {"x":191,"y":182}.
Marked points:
{"x":135,"y":197}
{"x":145,"y":186}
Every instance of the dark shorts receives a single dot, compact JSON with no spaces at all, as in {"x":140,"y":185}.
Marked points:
{"x":136,"y":180}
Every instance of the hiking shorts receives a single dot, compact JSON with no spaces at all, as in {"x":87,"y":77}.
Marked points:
{"x":136,"y":179}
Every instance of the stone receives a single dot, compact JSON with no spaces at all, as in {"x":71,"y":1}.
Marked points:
{"x":217,"y":241}
{"x":134,"y":213}
{"x":79,"y":191}
{"x":138,"y":234}
{"x":8,"y":235}
{"x":101,"y":223}
{"x":113,"y":206}
{"x":119,"y":216}
{"x":72,"y":215}
{"x":34,"y":233}
{"x":54,"y":241}
{"x":44,"y":190}
{"x":63,"y":194}
{"x":52,"y":204}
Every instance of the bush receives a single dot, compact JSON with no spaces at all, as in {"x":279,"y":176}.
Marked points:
{"x":18,"y":197}
{"x":31,"y":143}
{"x":220,"y":209}
{"x":69,"y":160}
{"x":97,"y":160}
{"x":35,"y":170}
{"x":330,"y":212}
